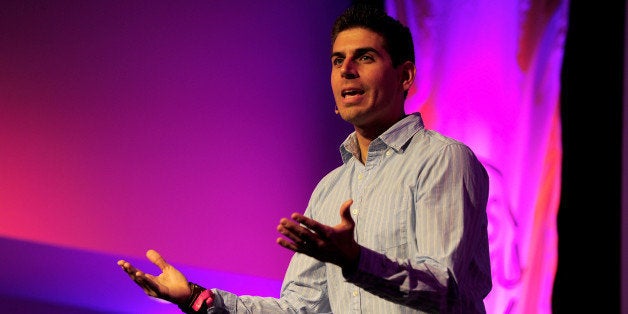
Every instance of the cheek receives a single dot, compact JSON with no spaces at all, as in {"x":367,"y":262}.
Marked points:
{"x":389,"y":85}
{"x":335,"y":86}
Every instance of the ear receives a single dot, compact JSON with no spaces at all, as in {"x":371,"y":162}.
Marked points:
{"x":408,"y":74}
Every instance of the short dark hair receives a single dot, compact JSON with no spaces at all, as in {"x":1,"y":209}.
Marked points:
{"x":397,"y":37}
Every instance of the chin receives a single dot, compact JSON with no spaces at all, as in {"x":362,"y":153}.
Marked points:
{"x":351,"y":118}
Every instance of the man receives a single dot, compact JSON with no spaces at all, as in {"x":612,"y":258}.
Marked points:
{"x":411,"y":232}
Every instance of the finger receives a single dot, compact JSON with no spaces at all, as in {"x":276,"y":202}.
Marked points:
{"x":128,"y":268}
{"x":145,"y":281}
{"x":292,"y":231}
{"x":302,"y":239}
{"x":148,"y":282}
{"x":311,"y":224}
{"x":302,"y":247}
{"x":156,"y":259}
{"x":124,"y":265}
{"x":345,"y":213}
{"x":148,"y":285}
{"x":287,"y":244}
{"x":306,"y":221}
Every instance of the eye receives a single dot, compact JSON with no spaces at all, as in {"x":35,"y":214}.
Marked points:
{"x":337,"y":61}
{"x":366,"y":58}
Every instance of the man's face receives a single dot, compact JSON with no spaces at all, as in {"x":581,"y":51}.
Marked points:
{"x":367,"y":89}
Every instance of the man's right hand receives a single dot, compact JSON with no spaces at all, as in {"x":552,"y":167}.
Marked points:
{"x":171,"y":285}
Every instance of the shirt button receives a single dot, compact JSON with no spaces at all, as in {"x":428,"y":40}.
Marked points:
{"x":355,"y":212}
{"x":355,"y":293}
{"x":388,"y":153}
{"x":360,"y":176}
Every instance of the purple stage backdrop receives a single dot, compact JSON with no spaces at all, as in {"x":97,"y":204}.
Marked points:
{"x":192,"y":127}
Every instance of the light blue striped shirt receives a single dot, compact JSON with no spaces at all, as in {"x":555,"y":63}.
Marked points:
{"x":419,"y":204}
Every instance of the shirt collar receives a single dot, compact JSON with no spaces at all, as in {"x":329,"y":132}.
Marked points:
{"x":395,"y":137}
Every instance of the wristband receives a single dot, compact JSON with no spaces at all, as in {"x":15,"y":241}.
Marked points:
{"x":200,"y":299}
{"x":205,"y":298}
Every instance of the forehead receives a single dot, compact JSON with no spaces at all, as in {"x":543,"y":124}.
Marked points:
{"x":356,"y":38}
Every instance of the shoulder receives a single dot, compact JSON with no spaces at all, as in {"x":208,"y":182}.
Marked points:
{"x":438,"y":150}
{"x":430,"y":142}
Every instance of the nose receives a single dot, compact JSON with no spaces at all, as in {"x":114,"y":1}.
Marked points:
{"x":348,"y":70}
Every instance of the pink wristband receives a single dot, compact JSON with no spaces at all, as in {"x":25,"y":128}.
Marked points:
{"x":207,"y":297}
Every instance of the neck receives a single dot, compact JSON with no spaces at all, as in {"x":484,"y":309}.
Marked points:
{"x":365,"y":135}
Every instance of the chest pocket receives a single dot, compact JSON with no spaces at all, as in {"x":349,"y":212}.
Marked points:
{"x":382,"y":223}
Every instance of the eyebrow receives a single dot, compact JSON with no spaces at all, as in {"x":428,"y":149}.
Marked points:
{"x":358,"y":52}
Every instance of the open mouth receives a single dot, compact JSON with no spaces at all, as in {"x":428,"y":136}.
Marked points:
{"x":352,"y":92}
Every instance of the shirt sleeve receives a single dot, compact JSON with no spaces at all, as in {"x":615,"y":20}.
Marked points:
{"x":304,"y":290}
{"x":449,"y":268}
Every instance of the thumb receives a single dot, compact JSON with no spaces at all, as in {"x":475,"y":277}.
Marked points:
{"x":156,"y":259}
{"x":345,"y":213}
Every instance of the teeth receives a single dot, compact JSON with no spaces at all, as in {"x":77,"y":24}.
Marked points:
{"x":352,"y":92}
